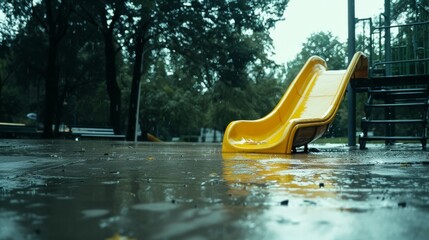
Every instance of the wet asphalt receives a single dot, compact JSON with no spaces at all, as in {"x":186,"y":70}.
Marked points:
{"x":67,"y":189}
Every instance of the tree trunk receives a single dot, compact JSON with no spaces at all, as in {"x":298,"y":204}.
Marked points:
{"x":135,"y":90}
{"x":51,"y":89}
{"x":111,"y":84}
{"x":56,"y":29}
{"x":60,"y":110}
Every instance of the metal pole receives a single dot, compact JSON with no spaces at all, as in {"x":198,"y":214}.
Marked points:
{"x":136,"y":129}
{"x":387,"y":44}
{"x":351,"y":92}
{"x":390,"y":113}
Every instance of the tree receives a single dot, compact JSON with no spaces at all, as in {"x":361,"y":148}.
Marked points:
{"x":55,"y":25}
{"x":203,"y":46}
{"x":172,"y":107}
{"x":51,"y":18}
{"x":409,"y":10}
{"x":321,"y":44}
{"x":81,"y":75}
{"x":21,"y":73}
{"x":105,"y":16}
{"x":212,"y":36}
{"x":141,"y":35}
{"x":10,"y":104}
{"x":410,"y":42}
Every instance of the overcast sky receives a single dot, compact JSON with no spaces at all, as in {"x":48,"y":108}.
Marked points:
{"x":304,"y":17}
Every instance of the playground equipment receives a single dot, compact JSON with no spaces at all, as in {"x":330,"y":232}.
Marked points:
{"x":397,"y":85}
{"x":398,"y":81}
{"x":303,"y":113}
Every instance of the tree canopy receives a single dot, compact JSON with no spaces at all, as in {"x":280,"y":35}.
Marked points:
{"x":202,"y":63}
{"x":321,"y":44}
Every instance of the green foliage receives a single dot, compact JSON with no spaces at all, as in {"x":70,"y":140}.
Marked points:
{"x":12,"y":107}
{"x":175,"y":103}
{"x":319,"y":44}
{"x":205,"y":62}
{"x":210,"y":47}
{"x":409,"y":10}
{"x":169,"y":106}
{"x":232,"y":103}
{"x":90,"y":109}
{"x":410,"y":42}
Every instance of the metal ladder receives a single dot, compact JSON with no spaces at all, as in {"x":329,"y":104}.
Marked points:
{"x":395,"y":114}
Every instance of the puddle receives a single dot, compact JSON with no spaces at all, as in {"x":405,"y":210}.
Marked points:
{"x":110,"y":182}
{"x":10,"y":227}
{"x":94,"y":213}
{"x":193,"y":191}
{"x":193,"y":221}
{"x":156,"y":207}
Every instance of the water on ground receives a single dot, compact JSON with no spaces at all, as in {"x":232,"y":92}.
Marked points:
{"x":67,"y":189}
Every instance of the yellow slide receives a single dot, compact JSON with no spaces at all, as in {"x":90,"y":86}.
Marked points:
{"x":303,"y":113}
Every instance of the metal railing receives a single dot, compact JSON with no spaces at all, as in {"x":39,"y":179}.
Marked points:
{"x":406,"y":53}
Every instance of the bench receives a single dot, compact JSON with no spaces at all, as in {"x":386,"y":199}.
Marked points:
{"x":17,"y":130}
{"x":94,"y":133}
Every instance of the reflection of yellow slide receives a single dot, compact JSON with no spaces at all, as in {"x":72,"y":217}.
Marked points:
{"x":303,"y":113}
{"x":275,"y":171}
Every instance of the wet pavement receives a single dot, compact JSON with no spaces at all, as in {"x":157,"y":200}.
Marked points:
{"x":116,"y":190}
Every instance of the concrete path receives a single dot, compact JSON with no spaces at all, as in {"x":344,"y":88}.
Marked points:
{"x":115,"y":190}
